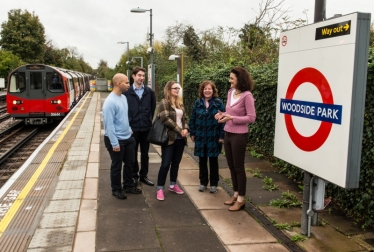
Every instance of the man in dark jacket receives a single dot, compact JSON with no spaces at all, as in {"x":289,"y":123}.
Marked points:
{"x":142,"y":104}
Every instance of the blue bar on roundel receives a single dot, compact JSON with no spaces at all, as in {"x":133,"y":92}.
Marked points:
{"x":313,"y":110}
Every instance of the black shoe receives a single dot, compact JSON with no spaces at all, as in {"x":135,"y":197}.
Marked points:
{"x":146,"y":181}
{"x":119,"y":194}
{"x":133,"y":190}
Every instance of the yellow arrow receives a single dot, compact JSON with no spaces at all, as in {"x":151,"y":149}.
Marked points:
{"x":346,"y":27}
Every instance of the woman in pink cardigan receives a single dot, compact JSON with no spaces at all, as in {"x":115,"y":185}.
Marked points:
{"x":240,"y":111}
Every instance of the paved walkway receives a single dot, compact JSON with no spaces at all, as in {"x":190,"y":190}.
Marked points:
{"x":194,"y":221}
{"x":83,"y":215}
{"x":199,"y":221}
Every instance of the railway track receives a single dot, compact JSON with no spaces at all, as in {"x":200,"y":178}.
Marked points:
{"x":16,"y":146}
{"x":4,"y":117}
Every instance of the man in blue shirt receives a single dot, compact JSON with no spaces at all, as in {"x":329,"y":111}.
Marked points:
{"x":142,"y":104}
{"x":118,"y":138}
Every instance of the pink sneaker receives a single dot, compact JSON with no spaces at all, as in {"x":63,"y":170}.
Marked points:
{"x":176,"y":189}
{"x":160,"y":194}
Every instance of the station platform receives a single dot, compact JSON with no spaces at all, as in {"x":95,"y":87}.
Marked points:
{"x":60,"y":200}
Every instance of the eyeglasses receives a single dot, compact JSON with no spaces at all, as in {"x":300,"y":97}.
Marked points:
{"x":176,"y":88}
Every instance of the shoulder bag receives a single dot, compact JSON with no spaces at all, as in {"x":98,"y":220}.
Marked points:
{"x":159,"y":133}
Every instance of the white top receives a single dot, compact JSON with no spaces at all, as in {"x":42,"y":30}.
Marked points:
{"x":179,"y":113}
{"x":233,"y":100}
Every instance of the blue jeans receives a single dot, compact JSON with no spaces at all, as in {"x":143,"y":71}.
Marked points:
{"x":126,"y":155}
{"x":170,"y":159}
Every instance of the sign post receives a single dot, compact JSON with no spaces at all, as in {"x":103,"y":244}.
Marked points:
{"x":321,"y":98}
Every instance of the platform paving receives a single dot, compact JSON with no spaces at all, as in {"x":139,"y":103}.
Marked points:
{"x":82,"y":215}
{"x":199,"y":221}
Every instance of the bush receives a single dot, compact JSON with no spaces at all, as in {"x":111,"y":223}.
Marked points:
{"x":356,"y":203}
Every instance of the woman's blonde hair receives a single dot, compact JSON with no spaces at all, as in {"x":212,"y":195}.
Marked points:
{"x":175,"y":101}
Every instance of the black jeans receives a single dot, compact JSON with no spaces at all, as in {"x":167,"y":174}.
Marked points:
{"x":203,"y":169}
{"x":126,"y":155}
{"x":235,"y":145}
{"x":170,"y":159}
{"x":141,"y":139}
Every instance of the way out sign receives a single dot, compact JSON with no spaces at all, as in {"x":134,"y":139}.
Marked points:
{"x":321,"y":97}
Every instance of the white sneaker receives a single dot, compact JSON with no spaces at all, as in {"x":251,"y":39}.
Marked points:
{"x":213,"y":189}
{"x":202,"y":188}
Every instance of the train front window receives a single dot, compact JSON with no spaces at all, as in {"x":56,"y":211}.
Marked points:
{"x":17,"y":82}
{"x":54,"y":83}
{"x":36,"y":80}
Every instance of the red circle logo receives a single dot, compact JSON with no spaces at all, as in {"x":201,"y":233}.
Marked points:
{"x":284,"y":40}
{"x":315,"y":77}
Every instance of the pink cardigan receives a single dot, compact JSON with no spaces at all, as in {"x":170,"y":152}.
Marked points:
{"x":242,"y":111}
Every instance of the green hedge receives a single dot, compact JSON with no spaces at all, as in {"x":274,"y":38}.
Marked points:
{"x":356,"y":203}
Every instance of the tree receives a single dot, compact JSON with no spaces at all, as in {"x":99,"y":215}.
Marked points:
{"x":102,"y":68}
{"x":52,"y":55}
{"x":85,"y":67}
{"x":259,"y":39}
{"x":193,"y":44}
{"x":8,"y":62}
{"x":23,"y":35}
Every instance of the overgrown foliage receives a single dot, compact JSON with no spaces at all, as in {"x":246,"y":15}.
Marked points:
{"x":8,"y":62}
{"x":356,"y":203}
{"x":23,"y":41}
{"x":23,"y":35}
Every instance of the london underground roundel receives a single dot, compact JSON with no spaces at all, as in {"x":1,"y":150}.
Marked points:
{"x":326,"y":112}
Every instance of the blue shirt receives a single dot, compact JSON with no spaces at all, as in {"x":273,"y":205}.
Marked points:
{"x":139,"y":91}
{"x":116,"y":118}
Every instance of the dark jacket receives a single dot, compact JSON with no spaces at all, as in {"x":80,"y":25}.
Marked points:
{"x":168,"y":117}
{"x":141,"y":111}
{"x":205,"y":128}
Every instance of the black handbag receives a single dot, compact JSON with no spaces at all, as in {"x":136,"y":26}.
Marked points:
{"x":159,"y":133}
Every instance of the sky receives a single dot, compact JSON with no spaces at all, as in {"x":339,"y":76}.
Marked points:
{"x":95,"y":27}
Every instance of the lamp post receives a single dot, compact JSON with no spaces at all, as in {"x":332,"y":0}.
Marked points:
{"x":141,"y":60}
{"x":180,"y":62}
{"x":151,"y":68}
{"x":128,"y":71}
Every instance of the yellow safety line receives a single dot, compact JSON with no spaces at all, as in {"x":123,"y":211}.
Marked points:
{"x":22,"y":196}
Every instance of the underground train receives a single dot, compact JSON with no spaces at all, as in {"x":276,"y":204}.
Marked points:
{"x":39,"y":94}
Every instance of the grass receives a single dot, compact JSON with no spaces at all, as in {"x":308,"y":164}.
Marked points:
{"x":283,"y":226}
{"x":295,"y":224}
{"x":287,"y":200}
{"x":298,"y":238}
{"x":256,"y":173}
{"x":256,"y":155}
{"x":269,"y":184}
{"x":228,"y":182}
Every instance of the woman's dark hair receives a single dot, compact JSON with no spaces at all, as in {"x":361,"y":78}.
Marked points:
{"x":245,"y":82}
{"x":206,"y":83}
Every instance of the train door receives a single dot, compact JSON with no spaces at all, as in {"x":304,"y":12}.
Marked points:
{"x":81,"y":85}
{"x":35,"y":85}
{"x":69,"y":85}
{"x":76,"y":86}
{"x":71,"y":91}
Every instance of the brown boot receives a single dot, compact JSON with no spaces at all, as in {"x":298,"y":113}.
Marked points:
{"x":237,"y":206}
{"x":231,"y":201}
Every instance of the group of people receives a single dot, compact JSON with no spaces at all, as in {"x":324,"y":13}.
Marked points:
{"x":128,"y":113}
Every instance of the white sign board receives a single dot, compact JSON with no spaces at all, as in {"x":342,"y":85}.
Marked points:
{"x":2,"y":83}
{"x":321,"y":97}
